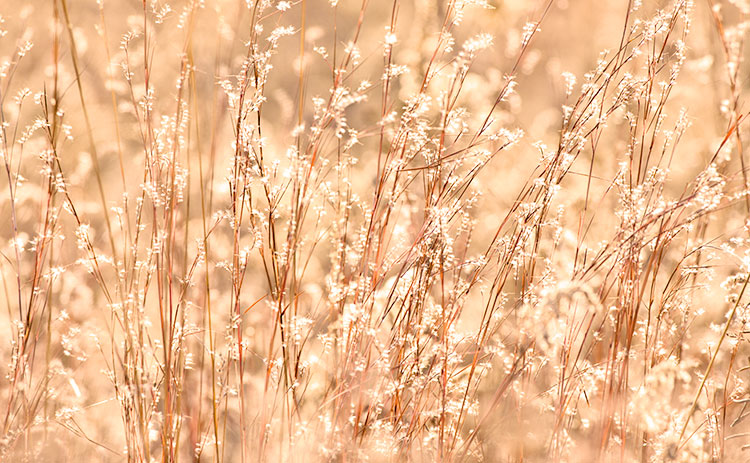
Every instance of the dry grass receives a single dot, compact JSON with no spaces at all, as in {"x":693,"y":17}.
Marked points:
{"x":427,"y":230}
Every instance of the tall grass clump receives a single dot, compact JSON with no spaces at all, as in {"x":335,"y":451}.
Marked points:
{"x":426,"y":230}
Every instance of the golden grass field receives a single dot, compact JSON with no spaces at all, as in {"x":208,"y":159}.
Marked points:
{"x":384,"y":231}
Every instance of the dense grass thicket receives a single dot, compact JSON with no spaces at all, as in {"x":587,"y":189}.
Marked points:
{"x":385,"y":231}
